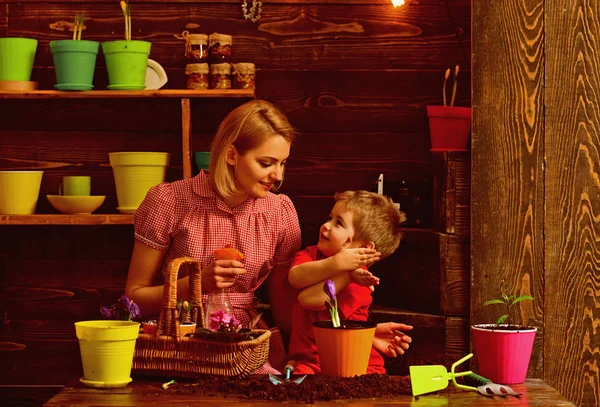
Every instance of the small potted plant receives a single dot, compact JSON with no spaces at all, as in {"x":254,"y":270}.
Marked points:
{"x":449,"y":125}
{"x":107,"y":346}
{"x":504,"y":349}
{"x":126,"y":60}
{"x":75,"y":59}
{"x":183,"y":317}
{"x":344,"y":346}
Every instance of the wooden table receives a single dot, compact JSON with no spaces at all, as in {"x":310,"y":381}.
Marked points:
{"x":150,"y":393}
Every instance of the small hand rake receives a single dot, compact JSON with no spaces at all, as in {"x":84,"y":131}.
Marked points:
{"x":289,"y":369}
{"x":427,"y":379}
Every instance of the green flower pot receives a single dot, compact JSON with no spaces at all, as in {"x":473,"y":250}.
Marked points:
{"x":74,"y":63}
{"x":126,"y":63}
{"x":16,"y":58}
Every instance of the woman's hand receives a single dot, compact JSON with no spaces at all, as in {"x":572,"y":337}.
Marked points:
{"x":351,"y":259}
{"x":221,"y":274}
{"x":389,"y":340}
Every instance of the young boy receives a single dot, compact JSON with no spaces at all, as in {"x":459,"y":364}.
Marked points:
{"x":363,"y":227}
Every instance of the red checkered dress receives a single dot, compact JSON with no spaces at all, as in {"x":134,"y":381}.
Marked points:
{"x":187,"y":218}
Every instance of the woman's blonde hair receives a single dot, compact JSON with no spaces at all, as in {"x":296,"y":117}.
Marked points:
{"x":375,"y":219}
{"x":246,"y":127}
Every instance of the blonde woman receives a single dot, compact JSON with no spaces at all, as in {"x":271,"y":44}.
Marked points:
{"x":233,"y":204}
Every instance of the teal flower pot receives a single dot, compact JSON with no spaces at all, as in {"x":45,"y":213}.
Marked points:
{"x":126,"y":63}
{"x":74,"y":63}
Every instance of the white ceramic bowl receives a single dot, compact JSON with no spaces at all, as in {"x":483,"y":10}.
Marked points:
{"x":76,"y":205}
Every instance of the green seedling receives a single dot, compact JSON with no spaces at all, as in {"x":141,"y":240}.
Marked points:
{"x":508,"y":301}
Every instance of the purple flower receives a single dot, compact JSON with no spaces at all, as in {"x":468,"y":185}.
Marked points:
{"x":126,"y":303}
{"x":106,"y":312}
{"x":331,"y":302}
{"x":329,"y":288}
{"x":124,"y":309}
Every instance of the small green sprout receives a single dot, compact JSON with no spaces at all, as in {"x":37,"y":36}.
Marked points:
{"x":78,"y":26}
{"x":509,"y":301}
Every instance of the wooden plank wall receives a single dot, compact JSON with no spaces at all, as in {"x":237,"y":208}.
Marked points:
{"x":535,"y":182}
{"x":507,"y":165}
{"x":572,"y":230}
{"x":354,"y":76}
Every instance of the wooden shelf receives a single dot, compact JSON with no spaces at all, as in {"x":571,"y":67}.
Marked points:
{"x":185,"y":97}
{"x":125,"y":94}
{"x":84,"y":220}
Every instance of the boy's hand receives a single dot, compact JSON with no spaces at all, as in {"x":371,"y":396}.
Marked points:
{"x":389,"y":340}
{"x":363,"y":277}
{"x":351,"y":259}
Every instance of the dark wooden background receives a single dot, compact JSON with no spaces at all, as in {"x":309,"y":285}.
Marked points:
{"x":353,"y":76}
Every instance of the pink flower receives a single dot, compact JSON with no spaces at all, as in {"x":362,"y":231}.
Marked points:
{"x":227,"y":318}
{"x":215,"y":320}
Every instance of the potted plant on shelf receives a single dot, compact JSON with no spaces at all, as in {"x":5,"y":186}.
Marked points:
{"x":504,"y":349}
{"x":74,"y":59}
{"x":449,"y":125}
{"x":107,"y":346}
{"x":344,"y":346}
{"x":16,"y":62}
{"x":126,"y":60}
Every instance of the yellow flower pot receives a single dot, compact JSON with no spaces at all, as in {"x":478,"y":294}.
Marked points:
{"x":19,"y":191}
{"x":135,"y":173}
{"x":107,"y":349}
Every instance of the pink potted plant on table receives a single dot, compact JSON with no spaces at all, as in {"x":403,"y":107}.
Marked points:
{"x":504,"y":349}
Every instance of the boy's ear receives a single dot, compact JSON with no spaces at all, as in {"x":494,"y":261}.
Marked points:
{"x":231,"y":155}
{"x":370,"y":245}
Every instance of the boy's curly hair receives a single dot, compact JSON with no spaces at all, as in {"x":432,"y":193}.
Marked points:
{"x":375,"y":219}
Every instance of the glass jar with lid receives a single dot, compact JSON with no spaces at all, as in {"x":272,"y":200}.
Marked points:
{"x":220,"y":76}
{"x":244,"y":75}
{"x":196,"y":47}
{"x":219,"y":48}
{"x":197,"y":76}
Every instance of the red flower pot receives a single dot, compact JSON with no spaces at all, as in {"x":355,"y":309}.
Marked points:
{"x":449,"y":127}
{"x":503,"y":355}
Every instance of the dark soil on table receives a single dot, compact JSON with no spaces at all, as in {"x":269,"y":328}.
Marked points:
{"x":313,"y":388}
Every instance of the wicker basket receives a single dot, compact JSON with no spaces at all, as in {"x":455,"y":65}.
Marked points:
{"x":168,"y":353}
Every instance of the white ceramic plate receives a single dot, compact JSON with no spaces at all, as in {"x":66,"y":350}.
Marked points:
{"x":156,"y":77}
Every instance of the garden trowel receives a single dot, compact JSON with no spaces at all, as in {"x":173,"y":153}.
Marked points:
{"x":427,"y":379}
{"x":288,"y":369}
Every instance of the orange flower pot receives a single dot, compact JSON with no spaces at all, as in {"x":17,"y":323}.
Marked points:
{"x":344,"y":351}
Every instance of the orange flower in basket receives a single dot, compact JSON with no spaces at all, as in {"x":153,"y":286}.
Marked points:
{"x":228,"y":253}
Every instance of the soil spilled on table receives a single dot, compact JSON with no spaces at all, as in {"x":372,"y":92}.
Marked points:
{"x":313,"y":388}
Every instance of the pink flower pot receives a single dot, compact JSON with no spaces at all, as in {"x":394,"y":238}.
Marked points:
{"x":503,"y":356}
{"x":449,"y":127}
